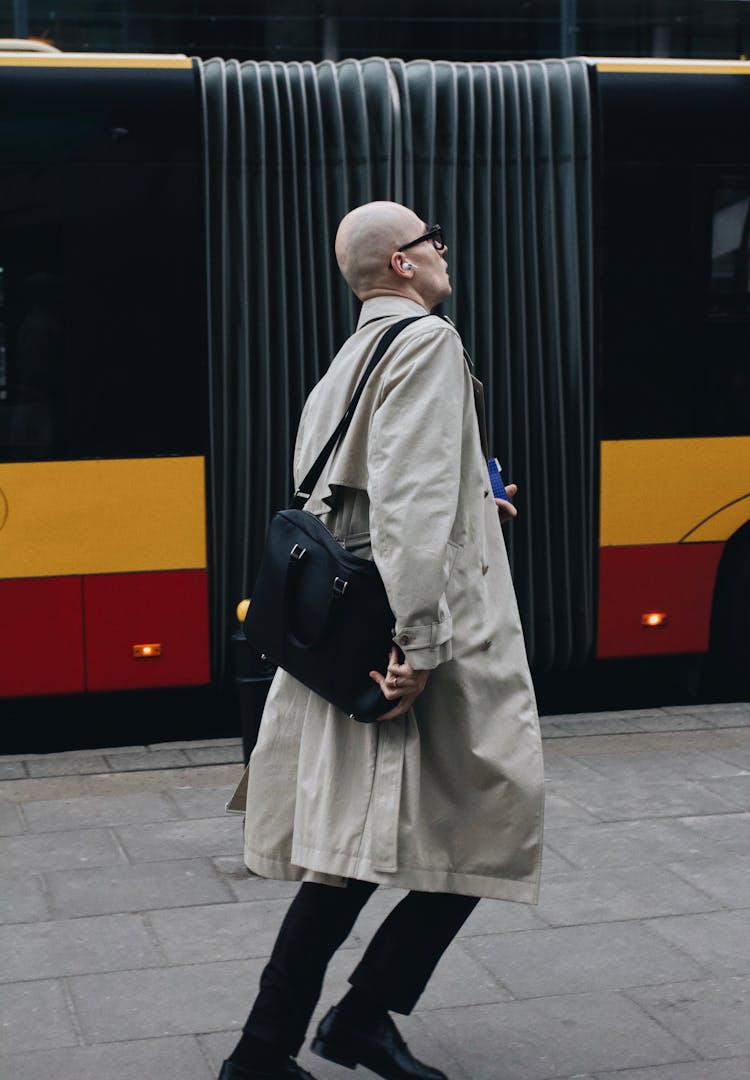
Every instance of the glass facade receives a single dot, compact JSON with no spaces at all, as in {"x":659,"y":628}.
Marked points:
{"x":436,"y":29}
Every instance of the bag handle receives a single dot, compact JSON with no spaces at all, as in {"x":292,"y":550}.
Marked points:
{"x":306,"y":488}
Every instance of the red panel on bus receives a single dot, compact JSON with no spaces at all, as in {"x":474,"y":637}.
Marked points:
{"x":164,"y":612}
{"x":675,"y":581}
{"x":41,"y":636}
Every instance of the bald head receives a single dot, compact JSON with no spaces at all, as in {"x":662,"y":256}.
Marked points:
{"x":365,"y":241}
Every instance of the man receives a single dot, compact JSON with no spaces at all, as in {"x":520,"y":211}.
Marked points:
{"x":443,"y":797}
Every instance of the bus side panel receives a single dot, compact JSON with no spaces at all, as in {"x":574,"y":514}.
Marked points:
{"x":673,"y":580}
{"x":41,"y":636}
{"x":167,"y":611}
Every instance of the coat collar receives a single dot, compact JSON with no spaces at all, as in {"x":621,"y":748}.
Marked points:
{"x":382,"y":306}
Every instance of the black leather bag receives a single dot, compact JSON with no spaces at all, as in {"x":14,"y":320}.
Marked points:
{"x":317,"y":610}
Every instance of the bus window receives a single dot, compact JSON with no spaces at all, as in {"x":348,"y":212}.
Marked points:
{"x":101,"y":249}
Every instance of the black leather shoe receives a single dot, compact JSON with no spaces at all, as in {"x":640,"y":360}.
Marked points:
{"x":289,"y":1070}
{"x":380,"y":1048}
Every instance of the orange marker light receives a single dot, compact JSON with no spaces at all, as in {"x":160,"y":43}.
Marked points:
{"x":653,"y":618}
{"x":147,"y":652}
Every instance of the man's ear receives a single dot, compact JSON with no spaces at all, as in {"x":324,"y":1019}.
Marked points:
{"x":402,"y":266}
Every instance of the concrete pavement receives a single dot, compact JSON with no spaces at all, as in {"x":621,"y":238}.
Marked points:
{"x":132,"y":938}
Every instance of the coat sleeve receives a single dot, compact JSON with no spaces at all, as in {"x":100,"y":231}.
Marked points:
{"x":414,"y":468}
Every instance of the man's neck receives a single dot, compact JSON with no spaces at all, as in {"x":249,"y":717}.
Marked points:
{"x":405,"y":294}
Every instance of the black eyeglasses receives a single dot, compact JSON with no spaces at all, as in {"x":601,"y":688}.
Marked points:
{"x":435,"y":234}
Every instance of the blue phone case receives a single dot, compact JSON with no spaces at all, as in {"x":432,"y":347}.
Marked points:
{"x":496,"y":479}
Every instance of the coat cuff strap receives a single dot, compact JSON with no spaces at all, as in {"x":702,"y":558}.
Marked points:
{"x":426,"y":645}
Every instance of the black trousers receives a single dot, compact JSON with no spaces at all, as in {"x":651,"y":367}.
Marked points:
{"x":393,"y":972}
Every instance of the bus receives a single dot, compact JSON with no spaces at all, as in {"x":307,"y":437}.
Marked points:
{"x":168,"y":297}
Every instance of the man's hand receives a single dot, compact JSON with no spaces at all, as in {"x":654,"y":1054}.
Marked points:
{"x":401,"y":681}
{"x":506,"y":510}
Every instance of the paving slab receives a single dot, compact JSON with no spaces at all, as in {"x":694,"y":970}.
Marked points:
{"x":162,"y":779}
{"x":659,"y":765}
{"x":66,"y":765}
{"x":462,"y":979}
{"x":146,"y":760}
{"x":500,"y":917}
{"x":710,"y":1016}
{"x":12,"y":770}
{"x":629,"y":843}
{"x":182,"y":839}
{"x":216,"y":1047}
{"x":726,"y":1069}
{"x":615,"y":799}
{"x":215,"y":755}
{"x":737,"y":756}
{"x":719,"y":941}
{"x":184,"y":1000}
{"x":61,"y":850}
{"x":11,"y":822}
{"x":553,"y":1037}
{"x":213,"y":932}
{"x":90,"y":811}
{"x":561,"y":768}
{"x":726,"y":879}
{"x":35,"y":1016}
{"x":712,"y":740}
{"x":729,"y":831}
{"x":171,"y":883}
{"x":22,"y":898}
{"x":202,"y":802}
{"x":50,"y":787}
{"x":607,"y":895}
{"x":179,"y":1058}
{"x":247,"y":886}
{"x":554,"y":863}
{"x":45,"y":950}
{"x":550,"y":731}
{"x":579,"y":959}
{"x":561,"y":811}
{"x":686,"y":721}
{"x":735,"y":789}
{"x":598,"y":724}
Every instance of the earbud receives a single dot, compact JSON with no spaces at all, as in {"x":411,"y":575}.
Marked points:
{"x":409,"y":266}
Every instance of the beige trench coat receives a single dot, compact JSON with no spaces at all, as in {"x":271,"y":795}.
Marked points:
{"x":448,"y":798}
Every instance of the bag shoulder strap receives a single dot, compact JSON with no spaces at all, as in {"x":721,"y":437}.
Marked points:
{"x":306,"y":488}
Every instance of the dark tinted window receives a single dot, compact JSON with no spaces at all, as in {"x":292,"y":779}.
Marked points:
{"x":101,"y":252}
{"x":675,"y":296}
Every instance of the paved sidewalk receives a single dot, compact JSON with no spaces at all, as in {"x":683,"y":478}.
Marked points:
{"x":132,"y":938}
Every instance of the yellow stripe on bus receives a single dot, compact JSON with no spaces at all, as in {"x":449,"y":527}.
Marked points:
{"x":93,"y":60}
{"x":648,"y":66}
{"x":98,"y":517}
{"x":663,"y":491}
